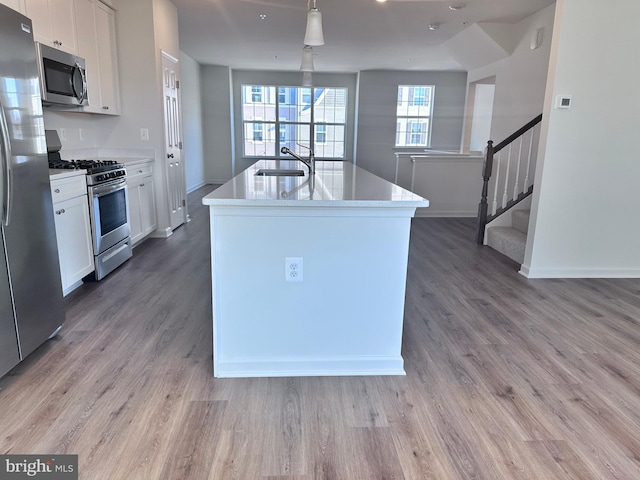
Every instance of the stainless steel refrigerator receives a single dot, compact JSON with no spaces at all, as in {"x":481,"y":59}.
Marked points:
{"x":31,"y":308}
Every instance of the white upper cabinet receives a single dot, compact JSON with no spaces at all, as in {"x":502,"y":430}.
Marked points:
{"x":17,"y":5}
{"x":54,"y":23}
{"x":108,"y":57}
{"x":97,"y":45}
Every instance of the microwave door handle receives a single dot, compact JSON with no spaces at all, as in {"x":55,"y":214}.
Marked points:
{"x":83,"y":94}
{"x":7,"y":179}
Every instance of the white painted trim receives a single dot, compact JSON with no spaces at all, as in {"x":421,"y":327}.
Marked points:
{"x":579,"y":272}
{"x":428,"y":213}
{"x":320,"y":211}
{"x":216,"y":181}
{"x":308,"y":366}
{"x":460,"y":158}
{"x":160,"y":233}
{"x":196,"y":186}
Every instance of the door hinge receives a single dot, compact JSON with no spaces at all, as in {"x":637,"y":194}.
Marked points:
{"x":180,"y":145}
{"x":184,"y":202}
{"x":177,"y":83}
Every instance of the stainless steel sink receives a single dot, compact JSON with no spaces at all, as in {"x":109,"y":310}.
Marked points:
{"x":279,"y":172}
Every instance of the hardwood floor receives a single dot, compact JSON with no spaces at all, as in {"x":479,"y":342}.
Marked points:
{"x":507,"y":378}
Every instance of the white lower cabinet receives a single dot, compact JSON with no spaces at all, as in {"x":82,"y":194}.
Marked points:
{"x":73,"y":232}
{"x":142,"y":203}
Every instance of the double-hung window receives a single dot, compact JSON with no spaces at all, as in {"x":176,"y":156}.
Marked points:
{"x":277,"y":116}
{"x":413,"y":115}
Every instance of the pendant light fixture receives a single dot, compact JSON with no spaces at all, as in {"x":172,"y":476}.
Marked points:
{"x":307,"y":80}
{"x":313,"y":35}
{"x":307,"y":59}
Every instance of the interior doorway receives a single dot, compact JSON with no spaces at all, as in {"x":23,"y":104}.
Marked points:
{"x":479,"y":114}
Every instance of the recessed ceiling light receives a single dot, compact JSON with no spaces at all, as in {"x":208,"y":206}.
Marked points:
{"x":434,"y":26}
{"x":263,"y":16}
{"x":457,"y":7}
{"x":381,"y":1}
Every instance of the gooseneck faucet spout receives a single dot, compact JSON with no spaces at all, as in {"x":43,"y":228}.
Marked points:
{"x":310,"y":162}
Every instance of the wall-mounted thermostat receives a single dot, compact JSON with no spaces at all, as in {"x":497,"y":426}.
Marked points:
{"x":563,"y":102}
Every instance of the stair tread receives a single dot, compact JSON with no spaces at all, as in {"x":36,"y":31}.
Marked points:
{"x":508,"y":241}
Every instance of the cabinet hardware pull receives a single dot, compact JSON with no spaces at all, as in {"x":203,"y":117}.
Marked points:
{"x":57,"y":190}
{"x":170,"y":155}
{"x":60,"y":212}
{"x":105,"y":108}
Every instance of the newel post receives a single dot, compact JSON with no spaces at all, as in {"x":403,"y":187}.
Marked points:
{"x":483,"y":206}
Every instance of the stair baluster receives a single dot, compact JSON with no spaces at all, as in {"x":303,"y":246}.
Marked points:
{"x":506,"y":180}
{"x":494,"y":205}
{"x":515,"y":186}
{"x":526,"y":178}
{"x":518,"y":196}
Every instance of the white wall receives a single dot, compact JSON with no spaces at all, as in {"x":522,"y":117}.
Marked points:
{"x":585,"y":217}
{"x":217,"y":121}
{"x":191,"y":97}
{"x":520,"y":79}
{"x":377,"y":115}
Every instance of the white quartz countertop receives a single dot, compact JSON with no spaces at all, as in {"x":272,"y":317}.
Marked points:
{"x":334,"y":184}
{"x":59,"y":173}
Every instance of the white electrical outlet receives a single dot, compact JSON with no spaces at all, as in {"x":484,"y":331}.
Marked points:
{"x":144,"y":134}
{"x":293,"y":269}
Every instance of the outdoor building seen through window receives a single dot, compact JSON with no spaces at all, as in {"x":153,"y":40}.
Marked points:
{"x":274,"y":117}
{"x":413,"y":113}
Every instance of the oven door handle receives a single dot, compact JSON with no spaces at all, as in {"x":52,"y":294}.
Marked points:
{"x":101,"y":190}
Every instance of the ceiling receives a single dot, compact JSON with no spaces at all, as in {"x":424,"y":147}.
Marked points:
{"x":359,"y":34}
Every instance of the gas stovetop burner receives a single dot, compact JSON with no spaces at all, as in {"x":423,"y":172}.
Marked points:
{"x":91,"y":166}
{"x":98,"y":171}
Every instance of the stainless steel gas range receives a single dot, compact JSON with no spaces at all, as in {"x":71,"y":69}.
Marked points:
{"x":109,"y":211}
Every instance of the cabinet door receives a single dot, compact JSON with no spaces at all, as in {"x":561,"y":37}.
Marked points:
{"x":147,"y":206}
{"x":38,"y":12}
{"x":135,"y":219}
{"x":63,"y":24}
{"x":107,"y":56}
{"x":73,"y":233}
{"x":17,"y":5}
{"x":53,"y":23}
{"x":88,"y":49}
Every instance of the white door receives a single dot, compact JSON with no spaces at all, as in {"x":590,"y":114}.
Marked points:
{"x":173,"y":141}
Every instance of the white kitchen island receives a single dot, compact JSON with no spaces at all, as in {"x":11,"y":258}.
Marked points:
{"x":345,"y":234}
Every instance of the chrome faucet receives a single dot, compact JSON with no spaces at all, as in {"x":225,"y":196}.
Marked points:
{"x":310,"y":162}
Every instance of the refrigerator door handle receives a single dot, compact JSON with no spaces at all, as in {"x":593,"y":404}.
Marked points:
{"x":7,"y":179}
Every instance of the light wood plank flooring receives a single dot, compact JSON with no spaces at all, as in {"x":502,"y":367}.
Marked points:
{"x":507,"y":378}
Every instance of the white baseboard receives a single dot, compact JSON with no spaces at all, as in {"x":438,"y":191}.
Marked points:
{"x":216,"y":181}
{"x":428,"y":212}
{"x":161,"y":233}
{"x":308,"y":367}
{"x":195,"y":187}
{"x":579,"y":272}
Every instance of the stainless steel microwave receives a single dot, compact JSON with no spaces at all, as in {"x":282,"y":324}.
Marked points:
{"x":63,"y":79}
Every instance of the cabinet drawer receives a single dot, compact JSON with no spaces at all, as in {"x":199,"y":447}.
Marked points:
{"x":67,"y":188}
{"x":140,"y":170}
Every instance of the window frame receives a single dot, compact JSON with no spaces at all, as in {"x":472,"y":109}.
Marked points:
{"x":409,"y":120}
{"x":305,"y":99}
